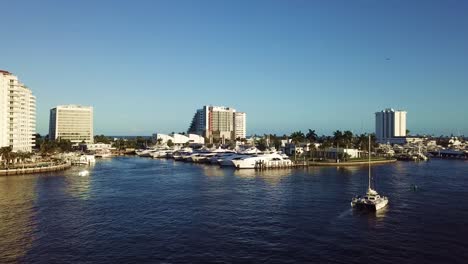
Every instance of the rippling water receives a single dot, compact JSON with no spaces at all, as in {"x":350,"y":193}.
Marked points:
{"x":143,"y":210}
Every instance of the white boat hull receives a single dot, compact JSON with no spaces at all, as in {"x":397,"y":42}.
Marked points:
{"x":374,"y":206}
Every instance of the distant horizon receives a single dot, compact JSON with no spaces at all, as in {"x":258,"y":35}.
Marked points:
{"x":290,"y":65}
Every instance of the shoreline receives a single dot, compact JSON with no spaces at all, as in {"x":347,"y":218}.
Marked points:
{"x":20,"y":171}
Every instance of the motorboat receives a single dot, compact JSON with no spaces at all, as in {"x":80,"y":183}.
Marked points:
{"x":218,"y":158}
{"x":262,"y":161}
{"x":146,"y":153}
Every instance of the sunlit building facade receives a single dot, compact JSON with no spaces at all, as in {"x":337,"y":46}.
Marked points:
{"x":239,"y":125}
{"x":72,"y":122}
{"x":390,"y":124}
{"x":17,"y":114}
{"x":218,"y":122}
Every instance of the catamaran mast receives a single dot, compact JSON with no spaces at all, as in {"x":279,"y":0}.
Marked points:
{"x":369,"y":162}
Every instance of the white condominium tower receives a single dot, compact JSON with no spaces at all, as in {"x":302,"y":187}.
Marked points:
{"x":390,"y":124}
{"x":71,"y":122}
{"x":239,"y":125}
{"x":218,"y":122}
{"x":17,"y":114}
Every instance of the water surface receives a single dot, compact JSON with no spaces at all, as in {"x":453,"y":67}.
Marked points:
{"x":144,"y":210}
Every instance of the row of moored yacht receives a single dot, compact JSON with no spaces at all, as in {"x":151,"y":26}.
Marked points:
{"x":250,"y":158}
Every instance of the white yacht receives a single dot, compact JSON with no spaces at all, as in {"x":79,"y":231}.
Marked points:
{"x":159,"y":154}
{"x":145,"y":152}
{"x":264,"y":160}
{"x":180,"y":154}
{"x":226,"y":161}
{"x":218,"y":158}
{"x":372,"y":200}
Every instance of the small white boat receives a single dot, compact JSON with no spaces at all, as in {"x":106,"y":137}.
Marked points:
{"x":83,"y":173}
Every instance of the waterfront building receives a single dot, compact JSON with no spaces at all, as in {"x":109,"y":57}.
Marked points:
{"x":72,"y":122}
{"x":218,"y":122}
{"x":17,"y":114}
{"x":99,"y":146}
{"x":178,"y":139}
{"x":390,"y":125}
{"x":161,"y":138}
{"x":196,"y":139}
{"x":335,"y":153}
{"x":239,"y":125}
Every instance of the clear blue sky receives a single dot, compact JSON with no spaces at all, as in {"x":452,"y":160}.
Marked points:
{"x":146,"y":66}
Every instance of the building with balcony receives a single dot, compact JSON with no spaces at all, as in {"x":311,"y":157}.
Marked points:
{"x":218,"y":122}
{"x":17,"y":114}
{"x":239,"y":125}
{"x":72,"y":122}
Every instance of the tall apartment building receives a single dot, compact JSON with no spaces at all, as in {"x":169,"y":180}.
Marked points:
{"x":17,"y":114}
{"x":72,"y":122}
{"x":390,"y":124}
{"x":218,"y":122}
{"x":239,"y":125}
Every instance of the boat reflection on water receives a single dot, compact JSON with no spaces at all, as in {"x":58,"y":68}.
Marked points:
{"x":349,"y":170}
{"x":212,"y":171}
{"x":272,"y":177}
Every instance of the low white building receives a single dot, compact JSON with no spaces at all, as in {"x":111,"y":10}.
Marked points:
{"x":162,"y":138}
{"x":333,"y":153}
{"x":99,"y":146}
{"x":178,"y":139}
{"x":196,"y":139}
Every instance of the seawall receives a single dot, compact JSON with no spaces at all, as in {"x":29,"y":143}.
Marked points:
{"x":357,"y":163}
{"x":19,"y":171}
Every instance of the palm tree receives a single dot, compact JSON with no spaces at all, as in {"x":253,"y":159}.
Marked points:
{"x":22,"y":156}
{"x":347,"y":137}
{"x":311,"y":136}
{"x":5,"y":153}
{"x":362,"y":141}
{"x":297,"y":137}
{"x":337,"y":137}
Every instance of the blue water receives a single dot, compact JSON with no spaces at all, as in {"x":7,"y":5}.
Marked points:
{"x":142,"y":210}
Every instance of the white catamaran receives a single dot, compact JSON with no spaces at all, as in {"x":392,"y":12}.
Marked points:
{"x":372,"y":200}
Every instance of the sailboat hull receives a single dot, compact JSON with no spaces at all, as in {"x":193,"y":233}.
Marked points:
{"x":370,"y":206}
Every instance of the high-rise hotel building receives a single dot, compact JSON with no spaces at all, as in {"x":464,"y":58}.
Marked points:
{"x":239,"y":125}
{"x":219,"y":122}
{"x":17,"y":114}
{"x":390,"y":124}
{"x":71,"y":122}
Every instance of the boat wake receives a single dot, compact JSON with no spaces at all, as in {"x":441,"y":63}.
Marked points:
{"x":347,"y":212}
